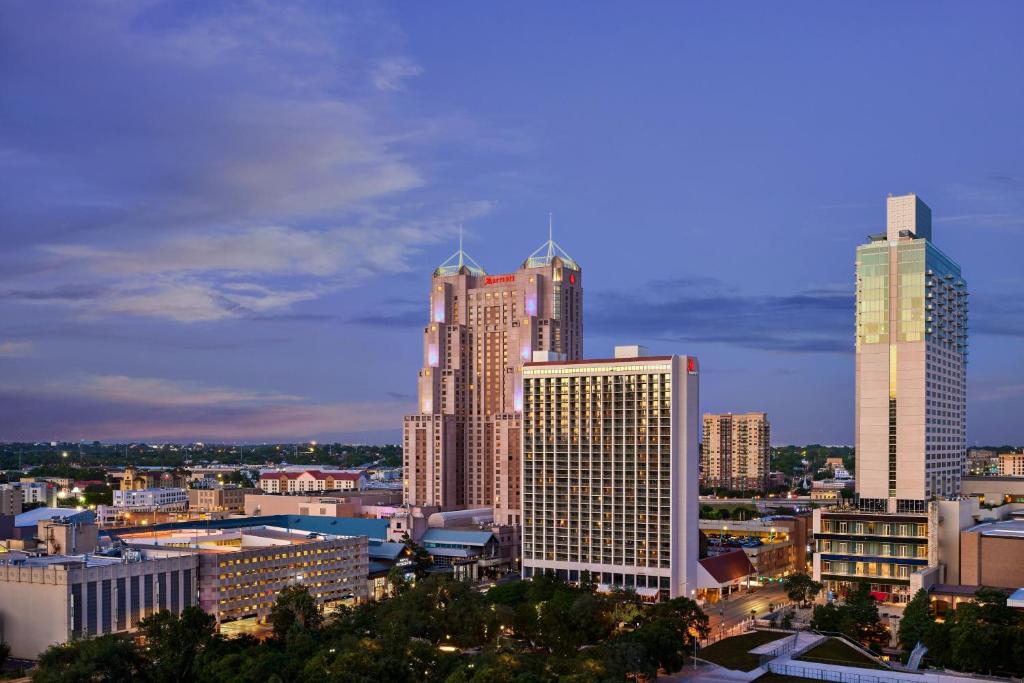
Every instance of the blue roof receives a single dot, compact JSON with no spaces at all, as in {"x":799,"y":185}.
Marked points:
{"x":386,"y":551}
{"x":457,"y":537}
{"x":33,"y":517}
{"x":373,"y":529}
{"x":378,"y":568}
{"x":453,"y":552}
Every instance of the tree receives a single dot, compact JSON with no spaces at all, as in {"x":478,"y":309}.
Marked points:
{"x":295,"y":609}
{"x":801,"y":588}
{"x":5,"y":652}
{"x":174,"y":643}
{"x":916,"y":617}
{"x":420,"y":557}
{"x":106,"y":659}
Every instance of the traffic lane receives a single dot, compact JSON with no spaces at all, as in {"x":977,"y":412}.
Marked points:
{"x":738,"y":606}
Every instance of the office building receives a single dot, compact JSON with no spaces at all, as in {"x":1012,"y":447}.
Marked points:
{"x":462,"y":447}
{"x":51,"y":599}
{"x":911,"y":355}
{"x":151,"y":499}
{"x":776,"y":545}
{"x":736,"y":452}
{"x":610,"y":471}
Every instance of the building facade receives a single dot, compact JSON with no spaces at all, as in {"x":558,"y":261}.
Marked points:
{"x":151,"y":499}
{"x":51,"y":599}
{"x":1011,"y":464}
{"x":307,"y":481}
{"x":737,"y":451}
{"x":462,"y":447}
{"x":241,"y":570}
{"x":220,"y":499}
{"x":610,"y":471}
{"x":911,"y":356}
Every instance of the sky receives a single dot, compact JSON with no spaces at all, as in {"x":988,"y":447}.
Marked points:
{"x":218,"y":221}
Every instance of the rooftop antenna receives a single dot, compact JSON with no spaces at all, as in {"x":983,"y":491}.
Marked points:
{"x":551,"y":233}
{"x":461,"y":252}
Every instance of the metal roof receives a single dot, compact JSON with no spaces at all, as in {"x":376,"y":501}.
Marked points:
{"x":386,"y":551}
{"x":33,"y":517}
{"x":457,"y":537}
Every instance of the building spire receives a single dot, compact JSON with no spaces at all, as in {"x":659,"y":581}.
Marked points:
{"x":460,"y":259}
{"x":550,"y":250}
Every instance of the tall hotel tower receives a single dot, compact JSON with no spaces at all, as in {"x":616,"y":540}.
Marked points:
{"x":462,"y":447}
{"x":610,"y":471}
{"x":911,"y":355}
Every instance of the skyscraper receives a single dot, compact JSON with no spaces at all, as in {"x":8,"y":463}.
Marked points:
{"x":911,"y":355}
{"x":610,"y":471}
{"x":462,"y":447}
{"x":737,"y":450}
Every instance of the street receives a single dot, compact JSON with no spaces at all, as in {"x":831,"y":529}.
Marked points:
{"x":738,"y":606}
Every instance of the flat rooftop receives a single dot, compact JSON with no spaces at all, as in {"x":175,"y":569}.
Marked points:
{"x":44,"y":561}
{"x":1010,"y":528}
{"x":214,"y":540}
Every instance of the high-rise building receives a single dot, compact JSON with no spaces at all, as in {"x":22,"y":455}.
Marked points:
{"x":736,"y":451}
{"x":610,"y":471}
{"x":462,"y":447}
{"x":911,"y":355}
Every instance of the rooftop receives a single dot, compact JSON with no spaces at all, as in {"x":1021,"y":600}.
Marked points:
{"x":33,"y":517}
{"x":546,"y":254}
{"x":62,"y":561}
{"x":1010,"y":528}
{"x":728,"y":566}
{"x":457,"y":537}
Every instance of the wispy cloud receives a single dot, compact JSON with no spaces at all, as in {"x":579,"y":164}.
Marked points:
{"x":706,"y":310}
{"x":13,"y":349}
{"x":118,"y":407}
{"x":391,"y":73}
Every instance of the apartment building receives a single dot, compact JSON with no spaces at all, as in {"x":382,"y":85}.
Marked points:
{"x":610,"y":471}
{"x":151,"y":499}
{"x":736,"y":451}
{"x":220,"y":499}
{"x":309,"y":481}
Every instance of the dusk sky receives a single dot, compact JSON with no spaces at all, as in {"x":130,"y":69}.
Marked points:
{"x":218,"y":221}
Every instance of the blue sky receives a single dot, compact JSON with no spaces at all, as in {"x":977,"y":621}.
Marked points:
{"x":219,"y":220}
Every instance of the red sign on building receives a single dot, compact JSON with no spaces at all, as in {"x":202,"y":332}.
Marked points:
{"x":499,"y":279}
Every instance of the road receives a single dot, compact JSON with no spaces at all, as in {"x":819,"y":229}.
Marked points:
{"x":738,"y":606}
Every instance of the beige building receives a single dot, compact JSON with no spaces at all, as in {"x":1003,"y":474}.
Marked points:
{"x":775,"y":545}
{"x":610,"y":471}
{"x":223,"y":499}
{"x":45,"y":600}
{"x":242,"y":570}
{"x":309,"y":481}
{"x":349,"y":504}
{"x":1011,"y":464}
{"x":911,"y":353}
{"x":737,"y":451}
{"x":462,"y":447}
{"x":992,"y":554}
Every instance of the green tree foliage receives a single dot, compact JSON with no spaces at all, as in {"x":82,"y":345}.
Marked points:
{"x":175,"y":643}
{"x":917,"y":615}
{"x":106,"y":659}
{"x":295,"y":610}
{"x":801,"y":588}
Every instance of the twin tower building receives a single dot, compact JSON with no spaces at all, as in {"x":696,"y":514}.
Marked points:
{"x":592,"y":462}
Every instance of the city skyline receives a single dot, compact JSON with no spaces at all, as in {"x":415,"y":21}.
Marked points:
{"x":220,"y":260}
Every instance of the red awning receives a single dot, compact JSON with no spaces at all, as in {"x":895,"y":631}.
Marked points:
{"x":878,"y":595}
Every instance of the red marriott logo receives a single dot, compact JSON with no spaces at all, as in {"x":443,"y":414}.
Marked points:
{"x":499,"y":279}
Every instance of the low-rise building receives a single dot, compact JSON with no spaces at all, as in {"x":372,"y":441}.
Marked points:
{"x":993,"y":490}
{"x":992,"y":554}
{"x":327,"y":504}
{"x":242,"y":570}
{"x":51,"y":599}
{"x":310,"y":481}
{"x":982,"y":461}
{"x":722,"y":574}
{"x":776,"y":546}
{"x":1011,"y":464}
{"x":10,"y":500}
{"x":219,"y":499}
{"x":151,"y":499}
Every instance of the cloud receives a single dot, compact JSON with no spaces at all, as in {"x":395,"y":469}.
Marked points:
{"x":391,"y":74}
{"x":707,"y":311}
{"x":117,"y":407}
{"x":16,"y":349}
